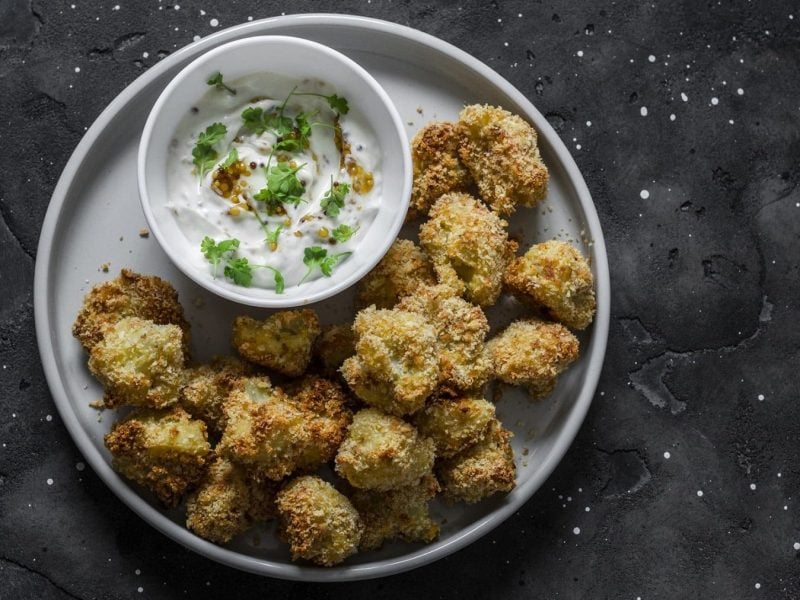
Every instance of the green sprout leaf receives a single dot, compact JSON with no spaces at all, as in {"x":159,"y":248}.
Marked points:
{"x":232,"y":157}
{"x":216,"y":251}
{"x":216,"y":81}
{"x":343,"y":232}
{"x":240,"y":271}
{"x":333,"y":200}
{"x":315,"y":256}
{"x":203,"y":153}
{"x":258,"y":121}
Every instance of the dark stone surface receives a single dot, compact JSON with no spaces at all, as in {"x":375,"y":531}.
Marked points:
{"x":704,"y":348}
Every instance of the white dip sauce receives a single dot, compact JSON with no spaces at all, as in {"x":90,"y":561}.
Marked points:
{"x":221,"y":204}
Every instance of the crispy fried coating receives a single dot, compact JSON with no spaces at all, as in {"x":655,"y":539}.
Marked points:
{"x":481,"y":470}
{"x":461,"y":330}
{"x":206,"y":387}
{"x":396,"y":366}
{"x":437,"y":167}
{"x":227,"y":502}
{"x":500,"y":151}
{"x":140,"y":363}
{"x":401,"y":513}
{"x":318,"y":522}
{"x":335,"y":344}
{"x":383,"y":452}
{"x":281,"y":342}
{"x":166,"y":451}
{"x":455,"y":423}
{"x":274,"y":434}
{"x":403,"y":268}
{"x":129,"y":295}
{"x":532,"y":353}
{"x":556,"y":277}
{"x":469,"y":247}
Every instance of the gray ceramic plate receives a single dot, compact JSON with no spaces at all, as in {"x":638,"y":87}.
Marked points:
{"x":94,"y":218}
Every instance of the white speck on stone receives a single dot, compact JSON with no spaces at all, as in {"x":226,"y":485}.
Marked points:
{"x":651,"y":58}
{"x":761,"y":397}
{"x":214,"y":22}
{"x":758,"y":586}
{"x":140,"y":589}
{"x":752,"y":486}
{"x":116,"y":7}
{"x":740,"y":91}
{"x":196,"y":38}
{"x":644,"y":194}
{"x":672,"y":117}
{"x":77,"y":69}
{"x":138,"y":571}
{"x":714,"y":101}
{"x":249,"y":19}
{"x":576,"y":530}
{"x":779,"y":475}
{"x":667,"y":455}
{"x":580,"y":53}
{"x":796,"y":546}
{"x":577,"y":146}
{"x":588,"y":123}
{"x":684,"y":97}
{"x":699,"y":493}
{"x":587,"y":509}
{"x":80,"y":466}
{"x":48,"y":418}
{"x":145,"y":54}
{"x":49,"y":481}
{"x":730,"y":121}
{"x":177,"y":7}
{"x":643,"y":111}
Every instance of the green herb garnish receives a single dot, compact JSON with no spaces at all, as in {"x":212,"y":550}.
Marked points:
{"x":280,"y":284}
{"x":258,"y":121}
{"x":232,"y":157}
{"x":316,"y":256}
{"x":337,"y":103}
{"x":216,"y":251}
{"x":216,"y":81}
{"x":204,"y":154}
{"x":283,"y":187}
{"x":237,"y":269}
{"x":343,"y":232}
{"x":333,"y":200}
{"x":240,"y":271}
{"x":272,"y":237}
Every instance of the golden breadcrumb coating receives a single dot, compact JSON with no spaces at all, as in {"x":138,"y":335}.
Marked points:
{"x":437,"y":168}
{"x":396,"y":366}
{"x":500,"y":150}
{"x":401,"y":513}
{"x":335,"y":344}
{"x":206,"y":387}
{"x":227,"y":502}
{"x":532,"y":353}
{"x":461,"y":330}
{"x":455,"y":423}
{"x":139,"y":363}
{"x":281,"y":342}
{"x":129,"y":295}
{"x":318,"y":522}
{"x":166,"y":451}
{"x":382,"y":452}
{"x":274,"y":434}
{"x":556,"y":277}
{"x":469,"y":247}
{"x":403,"y":268}
{"x":481,"y":470}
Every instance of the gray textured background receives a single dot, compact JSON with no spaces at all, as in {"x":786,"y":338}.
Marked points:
{"x":684,"y":478}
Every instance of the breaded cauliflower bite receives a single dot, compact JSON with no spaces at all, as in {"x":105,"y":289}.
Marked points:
{"x":437,"y":167}
{"x":401,"y":271}
{"x":532,"y":353}
{"x":227,"y":502}
{"x":401,"y":513}
{"x":461,"y":329}
{"x":396,"y":366}
{"x":129,"y":295}
{"x":500,"y":150}
{"x":334,"y":345}
{"x":484,"y":469}
{"x":139,"y":363}
{"x":382,"y":452}
{"x":166,"y":451}
{"x":274,"y":434}
{"x":318,"y":522}
{"x":469,"y":247}
{"x":556,"y":277}
{"x":207,"y":387}
{"x":455,"y":423}
{"x":281,"y":342}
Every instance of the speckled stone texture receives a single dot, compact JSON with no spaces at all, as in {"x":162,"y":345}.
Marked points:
{"x":684,"y":481}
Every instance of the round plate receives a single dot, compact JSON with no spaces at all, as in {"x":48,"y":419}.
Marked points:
{"x":94,"y":221}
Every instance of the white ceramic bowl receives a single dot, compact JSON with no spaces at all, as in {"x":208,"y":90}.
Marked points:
{"x":296,"y":58}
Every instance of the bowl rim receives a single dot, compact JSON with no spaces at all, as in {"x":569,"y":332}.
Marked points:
{"x":298,"y":298}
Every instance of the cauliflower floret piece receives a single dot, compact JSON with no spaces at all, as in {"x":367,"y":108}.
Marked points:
{"x":455,"y":424}
{"x":335,"y":344}
{"x":532,"y":353}
{"x":228,"y":502}
{"x":282,"y":342}
{"x":382,"y":452}
{"x":166,"y":451}
{"x":437,"y":168}
{"x":556,"y":277}
{"x":207,"y":387}
{"x":469,"y":247}
{"x":140,"y":363}
{"x":481,"y":470}
{"x":500,"y":150}
{"x":461,"y":330}
{"x":403,"y":268}
{"x":129,"y":295}
{"x":318,"y":522}
{"x":396,"y":366}
{"x":401,"y":513}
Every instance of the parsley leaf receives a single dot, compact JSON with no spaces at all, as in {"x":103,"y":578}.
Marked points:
{"x":216,"y":251}
{"x":216,"y":81}
{"x":338,"y":104}
{"x":277,"y":276}
{"x":258,"y":121}
{"x":316,"y":256}
{"x":343,"y":232}
{"x":240,"y":271}
{"x":232,"y":157}
{"x":333,"y":200}
{"x":204,"y":154}
{"x":272,"y":237}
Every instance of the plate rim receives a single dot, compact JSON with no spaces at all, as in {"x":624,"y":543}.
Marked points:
{"x":381,"y":568}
